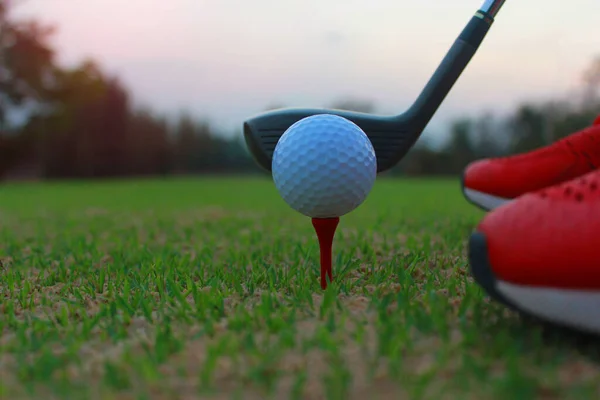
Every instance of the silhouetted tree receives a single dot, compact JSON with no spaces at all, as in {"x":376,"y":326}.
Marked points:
{"x":81,"y":123}
{"x":26,"y":73}
{"x":528,"y":128}
{"x":85,"y":135}
{"x":149,"y":150}
{"x":26,"y":63}
{"x":487,"y":138}
{"x":461,"y":144}
{"x":274,"y":106}
{"x":352,"y":104}
{"x":591,"y":81}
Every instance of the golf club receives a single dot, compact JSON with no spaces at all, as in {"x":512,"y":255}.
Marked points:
{"x":391,"y":136}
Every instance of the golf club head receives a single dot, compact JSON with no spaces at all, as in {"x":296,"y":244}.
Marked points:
{"x":391,"y":136}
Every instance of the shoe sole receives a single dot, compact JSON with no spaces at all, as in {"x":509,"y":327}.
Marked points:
{"x":576,"y":310}
{"x":486,"y":202}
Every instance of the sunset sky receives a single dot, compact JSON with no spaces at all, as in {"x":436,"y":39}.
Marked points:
{"x":230,"y":59}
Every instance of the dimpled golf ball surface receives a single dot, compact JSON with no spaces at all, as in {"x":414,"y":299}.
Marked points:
{"x":324,"y":166}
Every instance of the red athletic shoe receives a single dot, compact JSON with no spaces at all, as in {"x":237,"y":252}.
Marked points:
{"x":490,"y":183}
{"x":540,"y":254}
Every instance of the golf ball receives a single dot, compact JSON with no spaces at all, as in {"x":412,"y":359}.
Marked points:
{"x":324,"y":166}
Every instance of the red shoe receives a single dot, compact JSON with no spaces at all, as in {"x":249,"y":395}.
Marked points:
{"x":540,"y":254}
{"x":490,"y":183}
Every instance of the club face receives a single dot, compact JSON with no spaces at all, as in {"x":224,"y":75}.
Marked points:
{"x":389,"y":135}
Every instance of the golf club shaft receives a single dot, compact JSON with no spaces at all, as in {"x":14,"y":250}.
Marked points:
{"x":491,"y":7}
{"x":453,"y":64}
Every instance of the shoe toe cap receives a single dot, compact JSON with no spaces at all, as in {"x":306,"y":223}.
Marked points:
{"x":497,"y":177}
{"x":542,"y":242}
{"x":484,"y":176}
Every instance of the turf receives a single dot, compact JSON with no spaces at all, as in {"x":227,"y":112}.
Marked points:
{"x":209,"y":288}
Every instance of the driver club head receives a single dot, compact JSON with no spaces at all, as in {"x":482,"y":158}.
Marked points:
{"x":392,"y":136}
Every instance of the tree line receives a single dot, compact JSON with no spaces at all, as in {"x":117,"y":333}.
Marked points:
{"x":81,"y":122}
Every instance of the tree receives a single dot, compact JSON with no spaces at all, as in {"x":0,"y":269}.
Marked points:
{"x":528,"y":128}
{"x":274,"y":106}
{"x":27,"y":64}
{"x":352,"y":104}
{"x":85,"y":133}
{"x":26,"y":74}
{"x":196,"y":148}
{"x":461,"y":144}
{"x":149,"y":150}
{"x":591,"y":81}
{"x":486,"y":140}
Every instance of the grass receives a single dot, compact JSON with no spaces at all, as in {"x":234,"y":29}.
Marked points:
{"x":209,"y":288}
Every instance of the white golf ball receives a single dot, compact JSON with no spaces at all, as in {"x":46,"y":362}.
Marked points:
{"x":324,"y":166}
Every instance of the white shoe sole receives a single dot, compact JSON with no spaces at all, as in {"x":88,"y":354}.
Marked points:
{"x":577,"y":309}
{"x":486,"y":201}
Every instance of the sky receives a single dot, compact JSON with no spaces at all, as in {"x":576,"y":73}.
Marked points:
{"x":227,"y":60}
